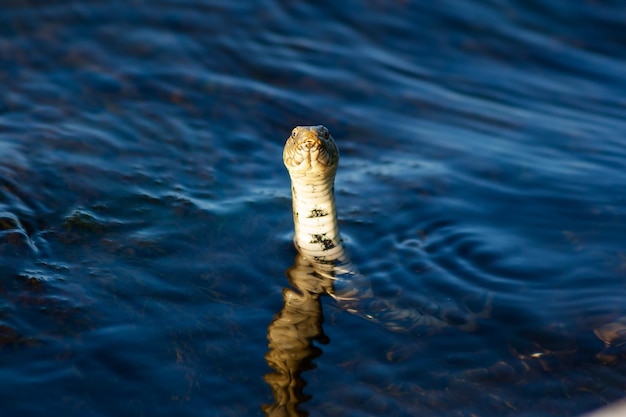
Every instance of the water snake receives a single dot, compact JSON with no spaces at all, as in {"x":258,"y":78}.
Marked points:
{"x":311,"y":157}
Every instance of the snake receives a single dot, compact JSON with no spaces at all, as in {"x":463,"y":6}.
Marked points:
{"x":311,"y":157}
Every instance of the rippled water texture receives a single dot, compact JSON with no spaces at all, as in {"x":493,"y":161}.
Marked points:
{"x":145,"y":220}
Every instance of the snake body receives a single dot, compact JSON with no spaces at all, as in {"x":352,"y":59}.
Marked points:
{"x":311,"y":157}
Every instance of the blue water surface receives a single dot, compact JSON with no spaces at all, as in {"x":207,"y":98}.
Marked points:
{"x":145,"y":214}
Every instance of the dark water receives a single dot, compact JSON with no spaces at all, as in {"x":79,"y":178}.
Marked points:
{"x":145,"y":224}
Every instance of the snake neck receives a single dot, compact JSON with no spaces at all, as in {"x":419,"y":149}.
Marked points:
{"x":315,"y":220}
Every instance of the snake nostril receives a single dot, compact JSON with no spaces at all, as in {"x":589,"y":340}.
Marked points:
{"x":309,"y":143}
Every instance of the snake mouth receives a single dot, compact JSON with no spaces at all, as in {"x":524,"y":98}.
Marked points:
{"x":310,"y":149}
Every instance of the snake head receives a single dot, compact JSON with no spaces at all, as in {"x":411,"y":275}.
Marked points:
{"x":311,"y":151}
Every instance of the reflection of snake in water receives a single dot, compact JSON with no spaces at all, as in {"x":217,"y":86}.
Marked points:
{"x":322,"y":267}
{"x":311,"y":157}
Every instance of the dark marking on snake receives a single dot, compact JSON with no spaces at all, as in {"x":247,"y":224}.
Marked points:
{"x":317,"y":212}
{"x":323,"y":261}
{"x":323,"y":240}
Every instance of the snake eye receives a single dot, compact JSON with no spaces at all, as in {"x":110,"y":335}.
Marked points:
{"x":324,"y":132}
{"x":294,"y":132}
